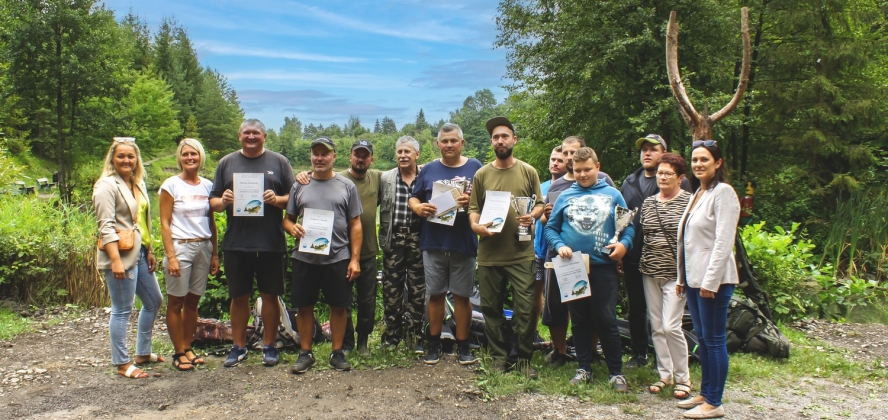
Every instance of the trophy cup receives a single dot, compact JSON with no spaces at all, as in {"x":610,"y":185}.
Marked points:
{"x":622,"y":218}
{"x":522,"y":206}
{"x":462,"y":184}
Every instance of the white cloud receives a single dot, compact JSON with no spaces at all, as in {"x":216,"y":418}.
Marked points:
{"x":319,"y":79}
{"x":224,"y":49}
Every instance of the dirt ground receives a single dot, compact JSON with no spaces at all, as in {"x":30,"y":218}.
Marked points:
{"x":63,"y":371}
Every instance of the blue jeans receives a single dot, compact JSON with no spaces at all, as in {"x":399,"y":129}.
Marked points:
{"x":598,"y":313}
{"x":139,"y":282}
{"x":710,"y":318}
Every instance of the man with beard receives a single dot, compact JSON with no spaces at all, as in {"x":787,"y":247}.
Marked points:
{"x":638,"y":186}
{"x":502,"y":258}
{"x":557,"y":170}
{"x":399,"y":236}
{"x":448,"y":250}
{"x":369,"y":187}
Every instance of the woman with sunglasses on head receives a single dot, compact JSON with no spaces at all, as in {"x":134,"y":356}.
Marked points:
{"x":707,"y":272}
{"x":188,"y":230}
{"x":125,"y":255}
{"x":660,"y":216}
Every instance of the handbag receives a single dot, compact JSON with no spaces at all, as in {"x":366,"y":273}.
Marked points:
{"x":126,"y":237}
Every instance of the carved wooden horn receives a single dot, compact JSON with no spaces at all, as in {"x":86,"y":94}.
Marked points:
{"x":700,"y":124}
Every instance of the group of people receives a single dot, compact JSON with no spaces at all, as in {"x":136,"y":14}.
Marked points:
{"x":677,"y":251}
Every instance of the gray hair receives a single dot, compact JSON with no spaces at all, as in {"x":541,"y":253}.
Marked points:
{"x":252,"y":122}
{"x":448,"y":127}
{"x":405,"y":140}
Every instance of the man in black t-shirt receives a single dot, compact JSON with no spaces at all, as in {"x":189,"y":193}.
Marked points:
{"x":253,"y":246}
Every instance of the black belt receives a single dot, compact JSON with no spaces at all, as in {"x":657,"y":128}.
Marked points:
{"x":406,"y":229}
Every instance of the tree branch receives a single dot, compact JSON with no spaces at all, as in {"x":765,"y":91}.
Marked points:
{"x":744,"y":72}
{"x":678,"y":90}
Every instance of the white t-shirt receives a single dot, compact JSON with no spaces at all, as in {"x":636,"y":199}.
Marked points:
{"x":191,"y":207}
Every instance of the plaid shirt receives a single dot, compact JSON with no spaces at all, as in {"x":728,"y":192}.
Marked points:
{"x":403,"y":216}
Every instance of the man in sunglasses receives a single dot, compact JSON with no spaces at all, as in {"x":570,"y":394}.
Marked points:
{"x":638,"y":186}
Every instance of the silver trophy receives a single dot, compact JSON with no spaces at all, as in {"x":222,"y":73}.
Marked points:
{"x":522,"y":206}
{"x":462,"y":185}
{"x":622,"y":218}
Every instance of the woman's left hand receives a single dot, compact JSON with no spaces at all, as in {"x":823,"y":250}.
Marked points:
{"x":152,"y":262}
{"x":707,"y":294}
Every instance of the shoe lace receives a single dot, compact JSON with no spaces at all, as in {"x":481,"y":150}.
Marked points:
{"x":582,"y":374}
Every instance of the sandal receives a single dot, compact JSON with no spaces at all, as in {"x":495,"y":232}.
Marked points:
{"x":656,"y":387}
{"x":196,"y":360}
{"x":133,"y":372}
{"x":681,"y":391}
{"x":152,"y":358}
{"x":179,"y":364}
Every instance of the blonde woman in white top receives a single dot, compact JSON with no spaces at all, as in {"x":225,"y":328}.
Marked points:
{"x":189,"y":241}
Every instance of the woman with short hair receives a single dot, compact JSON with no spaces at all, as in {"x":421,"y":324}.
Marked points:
{"x":125,"y":255}
{"x":188,"y":230}
{"x":660,"y":215}
{"x":707,"y":271}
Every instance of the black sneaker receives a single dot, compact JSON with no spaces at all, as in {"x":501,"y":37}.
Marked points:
{"x":305,"y":361}
{"x":418,"y":349}
{"x":582,"y":377}
{"x":236,"y":355}
{"x":465,"y":356}
{"x":636,"y":361}
{"x":270,"y":355}
{"x":433,"y":353}
{"x":338,"y":362}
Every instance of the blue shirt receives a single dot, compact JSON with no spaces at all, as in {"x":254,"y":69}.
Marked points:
{"x":438,"y":237}
{"x":583,"y":219}
{"x":539,"y":239}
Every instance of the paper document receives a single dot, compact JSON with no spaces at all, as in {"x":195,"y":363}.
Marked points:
{"x":444,"y":199}
{"x":248,"y":190}
{"x":318,"y":225}
{"x":572,"y":276}
{"x":496,"y":209}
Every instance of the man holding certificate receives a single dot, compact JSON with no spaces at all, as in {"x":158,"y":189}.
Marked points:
{"x":254,"y":244}
{"x":448,"y":245}
{"x":324,"y":216}
{"x":583,"y":219}
{"x":503,"y":256}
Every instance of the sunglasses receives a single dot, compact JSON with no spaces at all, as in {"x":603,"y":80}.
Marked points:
{"x":124,"y":139}
{"x":707,"y":143}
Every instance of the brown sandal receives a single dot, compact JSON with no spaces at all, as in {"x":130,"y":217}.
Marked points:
{"x":682,"y":391}
{"x":196,"y":360}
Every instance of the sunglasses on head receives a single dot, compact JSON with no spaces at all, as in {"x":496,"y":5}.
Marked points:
{"x":124,"y":139}
{"x":707,"y":143}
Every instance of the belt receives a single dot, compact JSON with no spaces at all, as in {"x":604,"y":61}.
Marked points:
{"x":185,"y":241}
{"x":406,"y":229}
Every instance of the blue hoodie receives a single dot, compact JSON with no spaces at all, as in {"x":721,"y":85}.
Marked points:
{"x":583,"y":219}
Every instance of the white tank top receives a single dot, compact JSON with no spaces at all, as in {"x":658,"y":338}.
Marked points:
{"x":191,"y":207}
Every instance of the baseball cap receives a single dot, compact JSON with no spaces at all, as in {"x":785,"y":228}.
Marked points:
{"x":498,"y":121}
{"x":325,"y":141}
{"x":363,"y":144}
{"x":653,"y":139}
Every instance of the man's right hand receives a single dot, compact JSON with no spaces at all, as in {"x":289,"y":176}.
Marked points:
{"x":481,"y":230}
{"x":303,"y":177}
{"x":425,"y":210}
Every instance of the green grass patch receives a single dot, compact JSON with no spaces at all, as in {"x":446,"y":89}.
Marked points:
{"x":12,"y":324}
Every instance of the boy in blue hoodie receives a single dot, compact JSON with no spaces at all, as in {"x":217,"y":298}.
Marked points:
{"x":583,"y":220}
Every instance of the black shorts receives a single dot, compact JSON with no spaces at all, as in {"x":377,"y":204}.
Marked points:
{"x":266,"y":267}
{"x":555,"y":312}
{"x":309,"y":279}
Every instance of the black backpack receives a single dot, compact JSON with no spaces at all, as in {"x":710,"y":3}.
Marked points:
{"x":750,"y":331}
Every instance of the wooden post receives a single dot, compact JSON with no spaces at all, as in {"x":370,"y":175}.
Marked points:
{"x":700,"y":123}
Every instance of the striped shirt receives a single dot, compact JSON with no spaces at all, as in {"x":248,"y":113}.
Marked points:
{"x":658,"y":255}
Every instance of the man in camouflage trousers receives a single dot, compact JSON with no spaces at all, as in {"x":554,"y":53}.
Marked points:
{"x":399,"y":232}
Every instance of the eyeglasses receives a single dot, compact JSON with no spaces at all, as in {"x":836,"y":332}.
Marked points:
{"x":664,"y":174}
{"x":124,"y":139}
{"x":707,"y":143}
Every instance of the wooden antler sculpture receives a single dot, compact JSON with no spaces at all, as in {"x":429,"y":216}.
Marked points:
{"x":699,"y":123}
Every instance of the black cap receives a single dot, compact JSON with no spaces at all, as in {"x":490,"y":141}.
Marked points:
{"x":363,"y":144}
{"x":498,"y":121}
{"x":325,"y":141}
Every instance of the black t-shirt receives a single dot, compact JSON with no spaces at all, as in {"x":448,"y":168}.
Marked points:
{"x":255,"y":234}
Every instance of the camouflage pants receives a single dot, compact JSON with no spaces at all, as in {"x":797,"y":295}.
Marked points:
{"x":403,"y":288}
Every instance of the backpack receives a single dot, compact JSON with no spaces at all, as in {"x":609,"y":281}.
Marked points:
{"x":750,"y":331}
{"x":286,"y":337}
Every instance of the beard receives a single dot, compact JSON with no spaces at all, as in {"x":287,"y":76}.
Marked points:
{"x":504,"y":154}
{"x":358,"y":170}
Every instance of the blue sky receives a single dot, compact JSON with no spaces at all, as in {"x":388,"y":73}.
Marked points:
{"x":325,"y":61}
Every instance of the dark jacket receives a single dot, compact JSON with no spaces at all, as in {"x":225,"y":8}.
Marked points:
{"x":634,"y":196}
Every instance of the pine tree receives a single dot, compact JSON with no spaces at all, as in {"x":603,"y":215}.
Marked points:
{"x":421,"y":123}
{"x":388,"y":126}
{"x":377,"y":128}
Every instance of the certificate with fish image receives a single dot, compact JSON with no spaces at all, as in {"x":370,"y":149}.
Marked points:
{"x":248,"y":190}
{"x":318,"y":225}
{"x":573,"y":277}
{"x":444,"y":198}
{"x":496,"y":209}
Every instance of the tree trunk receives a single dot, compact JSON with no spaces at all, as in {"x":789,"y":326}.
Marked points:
{"x":60,"y":129}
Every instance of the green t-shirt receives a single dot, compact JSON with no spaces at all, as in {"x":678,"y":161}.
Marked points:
{"x":369,"y":190}
{"x":522,"y":181}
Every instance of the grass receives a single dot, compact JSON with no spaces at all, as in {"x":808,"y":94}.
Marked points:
{"x":12,"y":324}
{"x":753,"y":373}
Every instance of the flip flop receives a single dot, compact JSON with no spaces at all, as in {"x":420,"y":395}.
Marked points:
{"x":131,"y":373}
{"x":152,"y":358}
